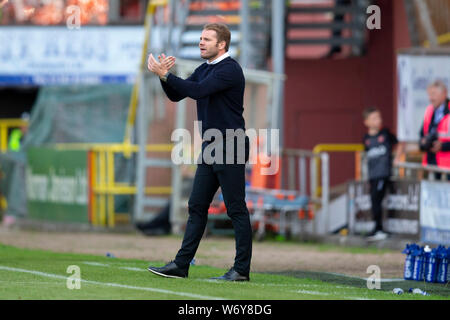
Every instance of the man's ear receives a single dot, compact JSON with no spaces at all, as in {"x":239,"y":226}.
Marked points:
{"x":222,"y":45}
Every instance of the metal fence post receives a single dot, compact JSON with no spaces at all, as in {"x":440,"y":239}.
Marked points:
{"x":244,"y":29}
{"x":325,"y":189}
{"x":302,"y":175}
{"x":142,"y":142}
{"x":291,"y":175}
{"x":175,"y":208}
{"x":313,"y":185}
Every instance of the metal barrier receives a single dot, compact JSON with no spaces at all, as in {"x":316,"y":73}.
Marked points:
{"x":291,"y":204}
{"x":103,"y":186}
{"x":319,"y":177}
{"x":406,"y":170}
{"x":277,"y":208}
{"x":340,"y":147}
{"x":417,"y":171}
{"x":5,"y":126}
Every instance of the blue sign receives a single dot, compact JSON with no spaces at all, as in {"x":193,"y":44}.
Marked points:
{"x":59,"y":56}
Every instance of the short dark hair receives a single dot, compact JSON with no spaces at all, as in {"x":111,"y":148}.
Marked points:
{"x":369,"y":110}
{"x":222,"y":31}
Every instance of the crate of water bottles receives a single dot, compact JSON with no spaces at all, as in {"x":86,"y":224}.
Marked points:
{"x":426,"y":264}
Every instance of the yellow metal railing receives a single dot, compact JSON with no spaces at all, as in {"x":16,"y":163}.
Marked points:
{"x":3,"y":203}
{"x":337,"y":147}
{"x":103,"y":186}
{"x":151,"y":9}
{"x":442,"y":39}
{"x":5,"y":126}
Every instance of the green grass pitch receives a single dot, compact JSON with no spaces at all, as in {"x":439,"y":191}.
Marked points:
{"x":38,"y":274}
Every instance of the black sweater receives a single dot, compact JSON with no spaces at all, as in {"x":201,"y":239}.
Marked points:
{"x":219,"y":91}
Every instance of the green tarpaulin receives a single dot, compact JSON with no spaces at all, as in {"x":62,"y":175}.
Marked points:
{"x":68,"y":114}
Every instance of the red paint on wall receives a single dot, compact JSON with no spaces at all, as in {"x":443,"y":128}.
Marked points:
{"x":324,"y":99}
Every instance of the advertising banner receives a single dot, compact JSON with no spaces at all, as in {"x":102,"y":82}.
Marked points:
{"x":57,"y":185}
{"x":56,"y":55}
{"x":400,"y":208}
{"x":435,"y":212}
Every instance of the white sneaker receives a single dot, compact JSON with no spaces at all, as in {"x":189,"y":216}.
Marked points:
{"x":379,"y":235}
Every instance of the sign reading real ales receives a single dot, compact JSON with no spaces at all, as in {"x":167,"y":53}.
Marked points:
{"x":57,"y":185}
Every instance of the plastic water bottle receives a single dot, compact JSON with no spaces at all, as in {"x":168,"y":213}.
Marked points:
{"x":418,"y":264}
{"x":413,"y":263}
{"x":448,"y":258}
{"x":192,"y":263}
{"x":398,"y":291}
{"x":418,"y":291}
{"x":110,"y":255}
{"x":442,"y":267}
{"x":430,"y":263}
{"x":409,"y":262}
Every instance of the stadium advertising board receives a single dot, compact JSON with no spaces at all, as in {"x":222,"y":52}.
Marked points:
{"x":57,"y":55}
{"x":435,"y":212}
{"x":400,"y":208}
{"x":57,"y":185}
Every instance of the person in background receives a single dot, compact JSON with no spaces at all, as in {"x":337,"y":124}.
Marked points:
{"x":379,"y":143}
{"x":17,"y":135}
{"x":435,"y":132}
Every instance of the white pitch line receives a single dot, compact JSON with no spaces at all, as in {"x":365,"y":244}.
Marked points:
{"x":97,"y":264}
{"x":109,"y":284}
{"x":315,"y":293}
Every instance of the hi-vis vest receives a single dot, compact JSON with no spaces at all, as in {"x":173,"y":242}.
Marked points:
{"x":14,"y":140}
{"x":443,"y":130}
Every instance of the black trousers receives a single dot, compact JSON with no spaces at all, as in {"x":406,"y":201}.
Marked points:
{"x":431,"y":160}
{"x":438,"y":176}
{"x":377,"y":191}
{"x":231,"y":179}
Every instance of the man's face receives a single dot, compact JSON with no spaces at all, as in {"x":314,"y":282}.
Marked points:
{"x":437,"y":96}
{"x":209,"y":48}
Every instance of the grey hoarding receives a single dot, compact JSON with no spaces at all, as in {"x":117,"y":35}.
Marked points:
{"x":400,"y":208}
